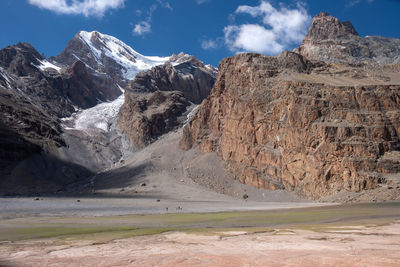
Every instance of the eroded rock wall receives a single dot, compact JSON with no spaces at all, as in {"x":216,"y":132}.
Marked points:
{"x":281,"y":133}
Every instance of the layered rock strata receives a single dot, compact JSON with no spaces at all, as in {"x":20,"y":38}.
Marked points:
{"x":287,"y":123}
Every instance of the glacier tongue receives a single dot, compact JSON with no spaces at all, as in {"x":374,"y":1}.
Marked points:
{"x":99,"y":117}
{"x":103,"y":45}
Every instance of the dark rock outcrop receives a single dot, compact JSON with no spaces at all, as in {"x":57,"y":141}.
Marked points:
{"x":144,"y":117}
{"x":85,"y":89}
{"x":21,"y":72}
{"x":330,"y":40}
{"x":183,"y":73}
{"x":157,"y":100}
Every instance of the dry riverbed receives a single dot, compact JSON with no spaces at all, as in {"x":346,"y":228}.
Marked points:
{"x":373,"y":245}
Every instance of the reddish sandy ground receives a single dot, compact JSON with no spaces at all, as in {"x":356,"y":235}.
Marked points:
{"x":341,"y":246}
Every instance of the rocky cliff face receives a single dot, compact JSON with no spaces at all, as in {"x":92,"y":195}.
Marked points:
{"x":330,"y":40}
{"x":157,"y":100}
{"x":29,"y":106}
{"x":85,"y":89}
{"x":145,"y":117}
{"x":287,"y":123}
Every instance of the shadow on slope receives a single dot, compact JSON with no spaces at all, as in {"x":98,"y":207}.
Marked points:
{"x":41,"y":173}
{"x":123,"y":177}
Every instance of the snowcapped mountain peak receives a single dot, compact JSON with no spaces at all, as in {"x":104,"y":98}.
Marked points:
{"x":105,"y":46}
{"x":107,"y":54}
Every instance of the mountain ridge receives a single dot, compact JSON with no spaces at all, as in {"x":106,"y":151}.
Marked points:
{"x":332,"y":41}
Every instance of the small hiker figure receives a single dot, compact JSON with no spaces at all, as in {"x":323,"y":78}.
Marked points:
{"x":166,"y":208}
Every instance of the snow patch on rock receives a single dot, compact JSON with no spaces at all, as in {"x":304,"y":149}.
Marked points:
{"x":5,"y":77}
{"x":44,"y":64}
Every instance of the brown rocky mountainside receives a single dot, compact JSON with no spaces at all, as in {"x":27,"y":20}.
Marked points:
{"x":157,"y":100}
{"x":315,"y":128}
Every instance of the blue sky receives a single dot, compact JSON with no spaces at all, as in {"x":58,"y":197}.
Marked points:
{"x":208,"y":29}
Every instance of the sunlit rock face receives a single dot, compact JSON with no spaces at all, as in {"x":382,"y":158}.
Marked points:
{"x":287,"y":123}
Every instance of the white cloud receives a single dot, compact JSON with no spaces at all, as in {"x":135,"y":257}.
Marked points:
{"x":142,"y":28}
{"x":353,"y":3}
{"x":276,"y":29}
{"x":77,"y":7}
{"x":165,"y":4}
{"x":252,"y":38}
{"x":209,"y":44}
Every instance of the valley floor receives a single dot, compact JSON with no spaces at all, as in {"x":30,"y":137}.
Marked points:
{"x":345,"y":235}
{"x":112,"y":206}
